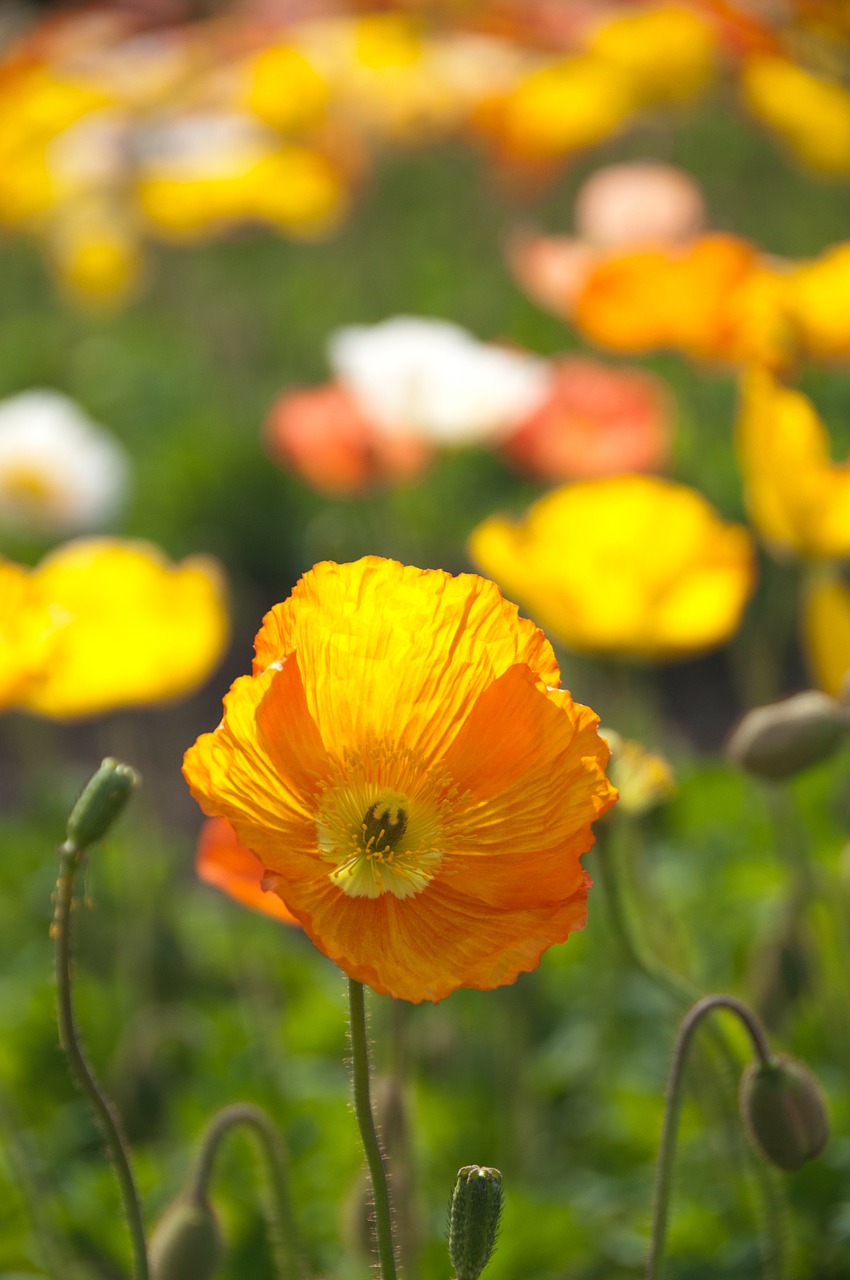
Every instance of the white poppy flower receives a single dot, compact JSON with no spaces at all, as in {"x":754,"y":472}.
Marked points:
{"x":59,"y":472}
{"x":434,"y":378}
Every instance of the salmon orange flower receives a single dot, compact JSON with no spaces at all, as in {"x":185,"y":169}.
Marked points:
{"x":629,"y":567}
{"x":326,"y":437}
{"x":598,"y":420}
{"x":416,"y":785}
{"x":221,"y":861}
{"x":797,"y":497}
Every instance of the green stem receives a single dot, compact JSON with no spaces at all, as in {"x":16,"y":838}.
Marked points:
{"x":368,"y":1132}
{"x":288,"y":1259}
{"x":612,"y":881}
{"x":684,"y":992}
{"x":70,"y":858}
{"x":672,"y":1107}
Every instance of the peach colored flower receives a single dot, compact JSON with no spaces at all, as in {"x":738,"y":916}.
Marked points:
{"x":599,"y":420}
{"x":416,"y":785}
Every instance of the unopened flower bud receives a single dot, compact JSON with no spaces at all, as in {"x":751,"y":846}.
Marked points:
{"x":783,"y":738}
{"x":784,"y":1111}
{"x":474,"y":1213}
{"x":186,"y":1242}
{"x":103,"y":797}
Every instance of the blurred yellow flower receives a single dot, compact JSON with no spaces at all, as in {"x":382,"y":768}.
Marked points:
{"x":284,"y":89}
{"x":810,"y":114}
{"x":629,"y":567}
{"x":797,"y":498}
{"x":643,"y":778}
{"x":135,"y":629}
{"x":96,"y":254}
{"x":560,"y":108}
{"x":667,"y":51}
{"x":825,"y":628}
{"x":28,"y":632}
{"x":819,"y":303}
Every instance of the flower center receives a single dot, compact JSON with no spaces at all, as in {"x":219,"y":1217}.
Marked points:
{"x":381,"y":822}
{"x":383,"y":827}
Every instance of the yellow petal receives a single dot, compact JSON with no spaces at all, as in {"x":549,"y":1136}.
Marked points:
{"x":825,"y":628}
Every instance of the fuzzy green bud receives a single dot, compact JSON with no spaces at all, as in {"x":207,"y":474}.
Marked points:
{"x":474,"y":1212}
{"x":784,"y":738}
{"x":102,"y":800}
{"x":186,"y":1242}
{"x":784,"y":1111}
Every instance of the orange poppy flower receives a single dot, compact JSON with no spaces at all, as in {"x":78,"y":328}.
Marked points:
{"x":221,"y":861}
{"x":406,"y":769}
{"x":646,"y":299}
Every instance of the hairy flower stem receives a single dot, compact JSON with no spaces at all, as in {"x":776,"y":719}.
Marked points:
{"x":368,"y":1132}
{"x":685,"y":993}
{"x":289,"y":1262}
{"x":672,"y":1107}
{"x":70,"y":858}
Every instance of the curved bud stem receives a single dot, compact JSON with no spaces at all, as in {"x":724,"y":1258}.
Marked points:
{"x":70,"y":858}
{"x":672,"y":1106}
{"x":368,"y":1132}
{"x":288,"y":1259}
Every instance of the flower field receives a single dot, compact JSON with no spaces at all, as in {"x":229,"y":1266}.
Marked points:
{"x":460,"y":392}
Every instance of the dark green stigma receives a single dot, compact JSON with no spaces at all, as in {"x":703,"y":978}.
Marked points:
{"x":383,"y":827}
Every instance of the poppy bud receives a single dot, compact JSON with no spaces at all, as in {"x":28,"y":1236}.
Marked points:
{"x":783,"y":738}
{"x":474,"y":1212}
{"x":784,"y":1111}
{"x":186,"y":1242}
{"x":102,"y":800}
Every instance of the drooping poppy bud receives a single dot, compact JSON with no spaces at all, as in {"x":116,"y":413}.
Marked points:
{"x":783,"y":1108}
{"x":474,"y":1213}
{"x":102,"y":800}
{"x":186,"y":1242}
{"x":783,"y":738}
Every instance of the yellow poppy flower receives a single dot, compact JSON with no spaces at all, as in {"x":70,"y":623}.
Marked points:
{"x":29,"y":629}
{"x":798,"y":499}
{"x":667,"y":51}
{"x":811,"y":114}
{"x":819,"y":301}
{"x":631,"y":567}
{"x":825,"y":628}
{"x":403,"y":764}
{"x":562,"y":107}
{"x":137,"y":630}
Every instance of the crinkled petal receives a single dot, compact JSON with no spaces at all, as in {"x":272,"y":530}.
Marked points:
{"x":393,"y":652}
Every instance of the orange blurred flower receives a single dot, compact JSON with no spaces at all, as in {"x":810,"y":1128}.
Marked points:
{"x":597,"y":421}
{"x":221,"y":861}
{"x":324,"y":436}
{"x":405,"y":767}
{"x":629,"y":567}
{"x":647,"y":299}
